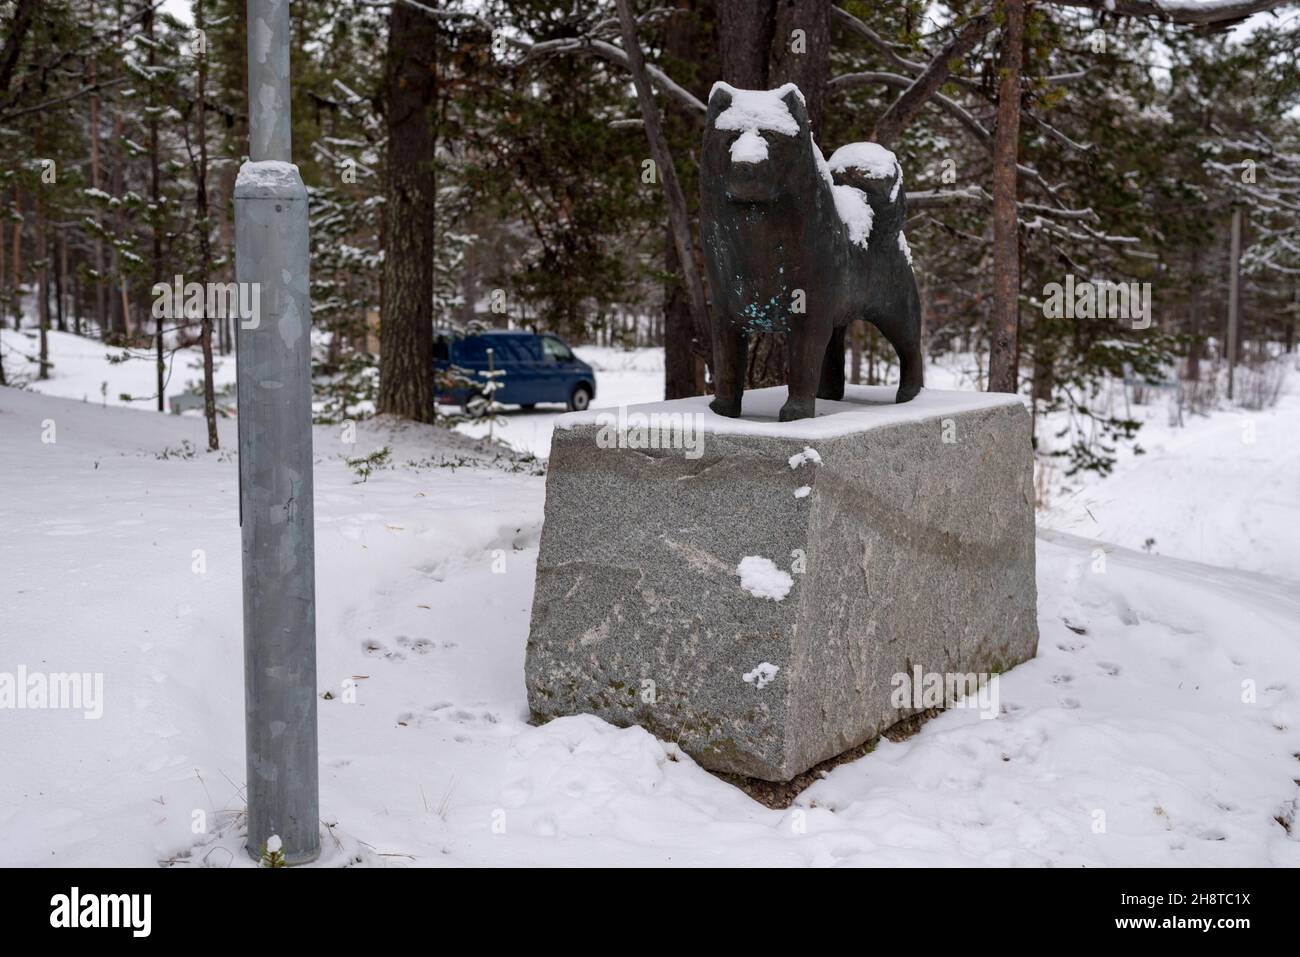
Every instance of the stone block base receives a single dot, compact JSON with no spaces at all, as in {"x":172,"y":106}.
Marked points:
{"x":751,"y":589}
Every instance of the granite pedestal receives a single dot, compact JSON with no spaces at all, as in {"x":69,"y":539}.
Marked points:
{"x":752,"y":589}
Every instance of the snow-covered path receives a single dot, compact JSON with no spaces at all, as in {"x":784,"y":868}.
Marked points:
{"x":1127,"y":741}
{"x":1222,"y":490}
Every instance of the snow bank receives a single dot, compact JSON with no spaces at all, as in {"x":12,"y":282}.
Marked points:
{"x":1157,"y":726}
{"x":1129,"y":741}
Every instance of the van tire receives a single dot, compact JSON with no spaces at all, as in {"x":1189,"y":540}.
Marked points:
{"x":580,"y":398}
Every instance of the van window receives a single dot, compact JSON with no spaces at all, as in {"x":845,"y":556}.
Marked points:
{"x":471,"y":349}
{"x":440,"y":348}
{"x":512,"y":349}
{"x":527,"y":347}
{"x":556,"y":350}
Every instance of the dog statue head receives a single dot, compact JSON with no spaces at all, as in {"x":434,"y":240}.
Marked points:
{"x":757,"y":142}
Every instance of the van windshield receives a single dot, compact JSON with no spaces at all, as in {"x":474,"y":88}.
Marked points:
{"x":556,"y":350}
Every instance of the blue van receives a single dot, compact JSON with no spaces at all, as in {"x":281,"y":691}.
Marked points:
{"x":538,"y":368}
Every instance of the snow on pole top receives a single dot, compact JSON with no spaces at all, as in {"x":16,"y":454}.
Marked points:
{"x":757,"y":109}
{"x":255,"y":173}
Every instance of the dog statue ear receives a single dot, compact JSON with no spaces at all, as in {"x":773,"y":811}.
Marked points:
{"x":794,"y":102}
{"x":719,"y":100}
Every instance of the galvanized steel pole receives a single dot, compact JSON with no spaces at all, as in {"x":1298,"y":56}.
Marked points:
{"x":275,"y":459}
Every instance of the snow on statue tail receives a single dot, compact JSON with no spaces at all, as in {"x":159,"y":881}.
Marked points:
{"x":797,"y":245}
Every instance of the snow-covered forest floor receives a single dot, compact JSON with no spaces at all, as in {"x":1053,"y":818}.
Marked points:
{"x":1132,"y":739}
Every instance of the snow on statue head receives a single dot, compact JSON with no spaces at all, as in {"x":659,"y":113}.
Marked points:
{"x":797,"y":245}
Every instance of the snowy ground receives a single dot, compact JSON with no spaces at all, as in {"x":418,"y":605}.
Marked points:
{"x":1221,"y":489}
{"x":1131,"y":739}
{"x":85,"y":369}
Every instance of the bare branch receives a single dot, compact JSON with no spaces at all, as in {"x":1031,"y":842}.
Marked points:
{"x":76,"y":94}
{"x":612,"y":54}
{"x":940,"y":198}
{"x":1193,"y":12}
{"x":948,"y":105}
{"x":905,"y":109}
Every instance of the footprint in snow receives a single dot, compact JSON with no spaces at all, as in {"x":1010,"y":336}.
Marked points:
{"x":421,"y":646}
{"x":377,"y":649}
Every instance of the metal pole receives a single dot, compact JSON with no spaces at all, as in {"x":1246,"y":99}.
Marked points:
{"x":1233,"y":295}
{"x":275,"y":459}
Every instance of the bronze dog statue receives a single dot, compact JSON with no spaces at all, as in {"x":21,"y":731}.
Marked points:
{"x":795,"y":244}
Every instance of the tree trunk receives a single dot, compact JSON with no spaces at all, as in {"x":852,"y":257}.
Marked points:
{"x":756,"y":45}
{"x":12,"y":50}
{"x":1195,"y":348}
{"x":679,"y":330}
{"x":101,"y":291}
{"x":60,"y":271}
{"x":406,"y":325}
{"x":18,"y":260}
{"x":1004,"y":358}
{"x":202,"y":208}
{"x":42,"y":277}
{"x":1290,"y":323}
{"x":689,"y":40}
{"x":74,"y":299}
{"x":157,"y":213}
{"x":802,"y":58}
{"x":675,"y":201}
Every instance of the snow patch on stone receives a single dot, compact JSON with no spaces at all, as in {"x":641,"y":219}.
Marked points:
{"x":761,"y":578}
{"x":762,"y":676}
{"x":809,"y":454}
